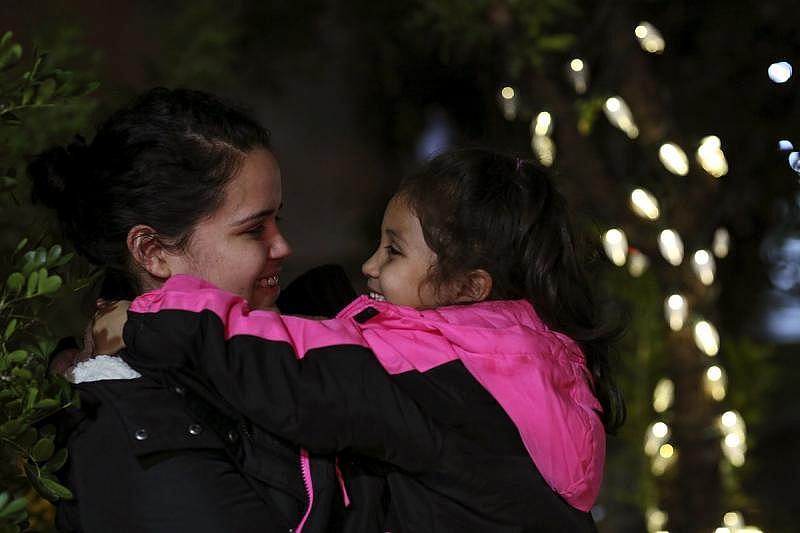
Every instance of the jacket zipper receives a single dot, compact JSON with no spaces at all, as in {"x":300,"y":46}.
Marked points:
{"x":305,"y":469}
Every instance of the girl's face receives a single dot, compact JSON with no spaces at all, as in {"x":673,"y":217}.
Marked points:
{"x":239,"y":247}
{"x":398,"y":270}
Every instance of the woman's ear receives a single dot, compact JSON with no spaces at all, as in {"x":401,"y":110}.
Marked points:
{"x":148,"y":251}
{"x":476,"y":286}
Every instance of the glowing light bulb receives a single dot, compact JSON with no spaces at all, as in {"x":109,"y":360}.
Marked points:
{"x":542,"y":124}
{"x":663,"y":395}
{"x":616,"y":246}
{"x":704,"y":266}
{"x":780,"y":72}
{"x":676,"y":310}
{"x":660,"y":429}
{"x":794,"y":161}
{"x":666,"y":451}
{"x":733,"y":444}
{"x":711,"y":157}
{"x":657,"y":434}
{"x":674,"y":159}
{"x":733,"y":519}
{"x":715,"y":383}
{"x":729,"y":419}
{"x":721,"y":244}
{"x":656,"y":519}
{"x":650,"y":38}
{"x":644,"y":204}
{"x":619,"y":115}
{"x":544,"y":149}
{"x":578,"y":74}
{"x":706,"y":338}
{"x":732,"y":440}
{"x":671,"y":246}
{"x":637,"y":262}
{"x":508,"y":102}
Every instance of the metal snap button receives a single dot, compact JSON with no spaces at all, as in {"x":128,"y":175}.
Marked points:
{"x":232,"y":436}
{"x":141,"y":434}
{"x":195,"y":429}
{"x":179,"y":389}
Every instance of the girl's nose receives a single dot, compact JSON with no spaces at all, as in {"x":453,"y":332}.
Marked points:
{"x":279,"y":247}
{"x":370,"y":266}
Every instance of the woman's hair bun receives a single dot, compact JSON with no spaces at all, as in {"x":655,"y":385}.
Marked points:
{"x":57,"y":173}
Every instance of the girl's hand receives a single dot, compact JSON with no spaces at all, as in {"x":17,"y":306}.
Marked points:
{"x":104,"y":333}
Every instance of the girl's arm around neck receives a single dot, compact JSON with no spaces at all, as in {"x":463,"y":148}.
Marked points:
{"x":336,"y":397}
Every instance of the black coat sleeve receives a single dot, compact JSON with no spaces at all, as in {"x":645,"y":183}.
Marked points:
{"x":337,"y":398}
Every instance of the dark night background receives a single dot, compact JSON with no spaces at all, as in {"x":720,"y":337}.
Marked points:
{"x":356,"y":93}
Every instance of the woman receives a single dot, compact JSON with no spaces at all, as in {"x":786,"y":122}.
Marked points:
{"x":187,"y":185}
{"x":177,"y":182}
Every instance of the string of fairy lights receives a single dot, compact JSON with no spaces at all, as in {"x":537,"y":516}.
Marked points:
{"x":709,"y":154}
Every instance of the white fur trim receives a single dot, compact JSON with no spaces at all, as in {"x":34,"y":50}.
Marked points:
{"x":101,"y":367}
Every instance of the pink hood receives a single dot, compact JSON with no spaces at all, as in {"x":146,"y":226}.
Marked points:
{"x":537,"y":375}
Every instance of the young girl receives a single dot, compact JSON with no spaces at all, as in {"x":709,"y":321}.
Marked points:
{"x":479,"y":310}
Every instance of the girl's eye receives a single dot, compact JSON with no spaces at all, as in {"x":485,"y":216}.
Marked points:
{"x":392,"y":250}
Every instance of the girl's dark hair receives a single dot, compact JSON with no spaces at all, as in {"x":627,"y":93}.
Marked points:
{"x":483,"y":210}
{"x":164,"y":161}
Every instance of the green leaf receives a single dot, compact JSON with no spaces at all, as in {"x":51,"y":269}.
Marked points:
{"x":11,"y":327}
{"x":11,"y":427}
{"x":14,"y":507}
{"x":30,"y":397}
{"x":43,"y":450}
{"x":46,"y":91}
{"x":60,"y":491}
{"x":10,"y":57}
{"x":556,"y":42}
{"x":21,"y":373}
{"x":20,"y":246}
{"x":28,"y":438}
{"x":91,"y":87}
{"x":41,"y":256}
{"x":49,"y":284}
{"x":15,"y":282}
{"x":54,"y":253}
{"x":56,"y":462}
{"x":17,"y":356}
{"x":4,"y":497}
{"x":6,"y":38}
{"x":47,"y":403}
{"x":33,"y":280}
{"x":27,"y":95}
{"x":7,"y":183}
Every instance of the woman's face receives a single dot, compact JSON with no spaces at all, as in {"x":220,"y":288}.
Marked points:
{"x":239,"y":247}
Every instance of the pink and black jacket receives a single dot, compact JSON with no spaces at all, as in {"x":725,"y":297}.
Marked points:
{"x":462,"y":418}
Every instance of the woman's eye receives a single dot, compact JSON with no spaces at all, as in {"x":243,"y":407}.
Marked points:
{"x":256,"y":231}
{"x":392,"y":250}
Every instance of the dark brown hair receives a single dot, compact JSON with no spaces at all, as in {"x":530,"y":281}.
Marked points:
{"x":483,"y":210}
{"x":163,"y":161}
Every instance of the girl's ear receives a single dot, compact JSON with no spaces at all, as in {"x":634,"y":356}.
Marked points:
{"x":475,"y":287}
{"x":148,"y":251}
